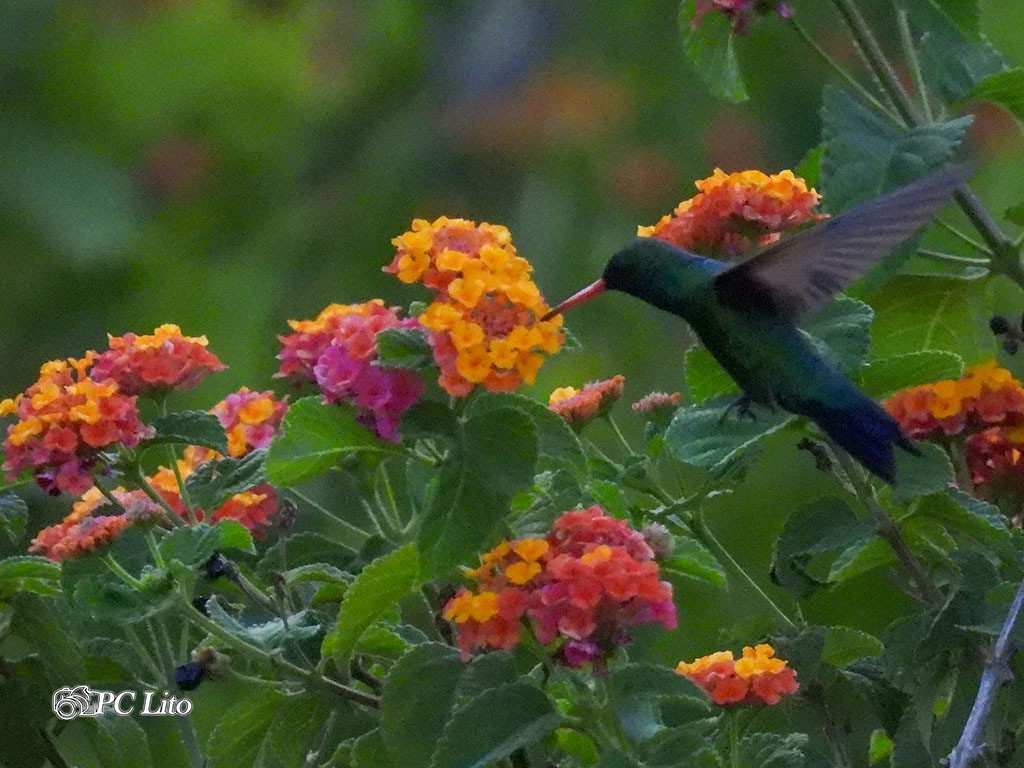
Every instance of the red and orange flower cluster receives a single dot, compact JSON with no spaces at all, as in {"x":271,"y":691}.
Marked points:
{"x":736,"y":211}
{"x":579,"y":406}
{"x":739,"y":11}
{"x":251,"y":420}
{"x":583,"y":586}
{"x":757,"y":677}
{"x":984,"y":408}
{"x":485,"y":321}
{"x":336,"y":351}
{"x":78,"y":407}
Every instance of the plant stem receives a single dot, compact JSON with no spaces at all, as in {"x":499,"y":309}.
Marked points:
{"x":863,"y":92}
{"x":910,"y":52}
{"x":996,"y":672}
{"x":889,"y":531}
{"x":119,"y":570}
{"x":706,"y":537}
{"x":618,"y":434}
{"x":184,"y":722}
{"x":143,"y":653}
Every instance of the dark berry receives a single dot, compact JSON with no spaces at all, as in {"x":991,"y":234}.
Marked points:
{"x":217,"y":566}
{"x":190,"y":675}
{"x":999,"y":324}
{"x":199,"y":603}
{"x":1011,"y":346}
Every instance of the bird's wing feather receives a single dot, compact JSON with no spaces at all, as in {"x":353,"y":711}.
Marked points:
{"x":800,"y":274}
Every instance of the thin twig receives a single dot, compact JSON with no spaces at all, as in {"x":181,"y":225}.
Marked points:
{"x":996,"y":672}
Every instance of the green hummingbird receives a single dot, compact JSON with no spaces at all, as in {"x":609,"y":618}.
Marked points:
{"x":746,"y":314}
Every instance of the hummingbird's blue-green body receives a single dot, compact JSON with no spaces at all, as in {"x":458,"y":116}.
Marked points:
{"x":746,"y":314}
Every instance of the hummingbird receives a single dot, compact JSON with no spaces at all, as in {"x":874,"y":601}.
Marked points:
{"x":746,"y":314}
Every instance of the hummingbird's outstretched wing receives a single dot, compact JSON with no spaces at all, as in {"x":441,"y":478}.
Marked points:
{"x":800,"y":274}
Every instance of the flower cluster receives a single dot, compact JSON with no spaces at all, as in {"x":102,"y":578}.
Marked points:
{"x":83,"y":531}
{"x":485,"y":321}
{"x":657,"y":402}
{"x":739,"y":11}
{"x":156,"y":363}
{"x":250,"y":419}
{"x":735,"y":211}
{"x":984,"y":408}
{"x":579,"y":406}
{"x":758,"y":677}
{"x":337,"y":350}
{"x":582,"y":586}
{"x":63,"y":420}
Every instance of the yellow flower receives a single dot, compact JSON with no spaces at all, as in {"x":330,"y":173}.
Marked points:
{"x":598,"y":554}
{"x":412,"y":265}
{"x":562,"y":393}
{"x":466,"y":334}
{"x":704,"y":662}
{"x":521,"y":572}
{"x":440,"y":316}
{"x":531,"y":549}
{"x":473,"y":364}
{"x":758,"y":660}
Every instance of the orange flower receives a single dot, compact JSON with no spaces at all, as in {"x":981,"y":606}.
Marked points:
{"x":157,"y":363}
{"x":64,"y":419}
{"x":733,"y":212}
{"x":579,"y":406}
{"x":485,"y":322}
{"x":758,"y":677}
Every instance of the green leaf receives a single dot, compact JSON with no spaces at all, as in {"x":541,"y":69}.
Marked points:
{"x":859,"y":558}
{"x":700,"y":436}
{"x":119,"y":742}
{"x":809,"y":168}
{"x":418,"y":697}
{"x":915,"y":313}
{"x":842,"y":326}
{"x":190,"y":428}
{"x":106,"y":598}
{"x":953,"y":67}
{"x":238,"y":739}
{"x":495,"y":460}
{"x":1006,"y":88}
{"x":921,"y":475}
{"x":773,"y":750}
{"x":495,"y":724}
{"x":692,"y":558}
{"x":810,"y":533}
{"x":27,"y":573}
{"x":882,"y":377}
{"x":704,"y":376}
{"x":374,"y":592}
{"x":964,"y":515}
{"x":610,"y":497}
{"x":313,"y":438}
{"x":844,"y":645}
{"x":880,"y":746}
{"x":191,"y":544}
{"x":403,"y":348}
{"x":213,"y":482}
{"x":296,"y":728}
{"x":234,"y":535}
{"x":371,"y":752}
{"x":709,"y":48}
{"x":1015,"y":214}
{"x":866,"y":155}
{"x":556,"y":440}
{"x":13,"y":514}
{"x":960,"y":16}
{"x":638,"y":690}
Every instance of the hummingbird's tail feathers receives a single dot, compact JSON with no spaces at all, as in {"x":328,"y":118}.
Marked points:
{"x":863,"y":429}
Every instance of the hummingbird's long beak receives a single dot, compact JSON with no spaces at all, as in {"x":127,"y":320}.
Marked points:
{"x":595,"y":288}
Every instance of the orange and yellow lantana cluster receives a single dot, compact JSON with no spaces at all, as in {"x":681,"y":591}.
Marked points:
{"x":162,"y":361}
{"x":736,"y":211}
{"x":485,"y":321}
{"x":579,"y":406}
{"x":758,"y":677}
{"x":984,"y":408}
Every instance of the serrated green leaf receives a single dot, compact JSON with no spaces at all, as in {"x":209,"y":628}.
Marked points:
{"x":234,"y":535}
{"x":13,"y":514}
{"x":321,"y":572}
{"x":296,"y":728}
{"x":699,"y":435}
{"x":638,"y":690}
{"x":815,"y":530}
{"x":860,"y":558}
{"x":952,"y":66}
{"x":374,"y":592}
{"x":884,"y":376}
{"x":106,"y":598}
{"x":370,"y":752}
{"x":556,"y":440}
{"x":709,"y":48}
{"x":403,"y":348}
{"x":692,"y":558}
{"x":313,"y":438}
{"x":239,"y":738}
{"x":213,"y":482}
{"x":1006,"y":88}
{"x":844,"y":645}
{"x":842,"y":326}
{"x":494,"y":461}
{"x":705,"y":377}
{"x":418,"y":697}
{"x":866,"y":155}
{"x":610,"y":497}
{"x":773,"y":750}
{"x":474,"y":737}
{"x":27,"y":573}
{"x":1015,"y":214}
{"x":189,"y":428}
{"x":929,"y":472}
{"x":964,"y":515}
{"x":119,"y":742}
{"x":191,"y":544}
{"x":809,"y":168}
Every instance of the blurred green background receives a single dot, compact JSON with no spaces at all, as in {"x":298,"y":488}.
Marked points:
{"x":229,"y":164}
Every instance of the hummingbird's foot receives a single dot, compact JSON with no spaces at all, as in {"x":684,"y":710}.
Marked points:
{"x":742,"y":407}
